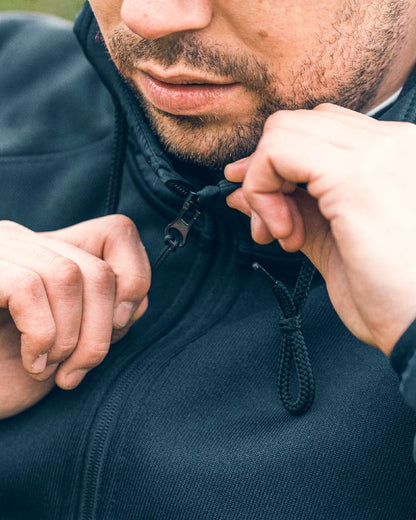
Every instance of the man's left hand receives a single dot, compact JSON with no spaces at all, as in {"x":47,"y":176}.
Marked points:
{"x":357,"y":219}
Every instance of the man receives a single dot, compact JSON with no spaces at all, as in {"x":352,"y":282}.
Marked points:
{"x":241,"y":392}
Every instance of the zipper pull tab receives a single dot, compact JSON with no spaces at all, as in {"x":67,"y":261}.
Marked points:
{"x":176,"y":233}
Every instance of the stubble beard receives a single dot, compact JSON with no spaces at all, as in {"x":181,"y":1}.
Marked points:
{"x":343,"y":68}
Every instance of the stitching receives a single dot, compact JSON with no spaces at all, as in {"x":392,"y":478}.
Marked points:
{"x":53,"y":155}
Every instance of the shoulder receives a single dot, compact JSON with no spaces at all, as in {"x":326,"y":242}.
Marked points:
{"x":51,"y":99}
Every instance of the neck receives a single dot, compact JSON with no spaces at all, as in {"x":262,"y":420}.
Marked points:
{"x":396,"y":75}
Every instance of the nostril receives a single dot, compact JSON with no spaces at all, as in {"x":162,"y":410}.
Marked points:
{"x":154,"y":19}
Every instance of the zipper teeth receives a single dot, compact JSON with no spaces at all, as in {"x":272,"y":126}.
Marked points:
{"x":178,"y":188}
{"x":91,"y":485}
{"x":132,"y":373}
{"x":104,"y":421}
{"x":96,"y":452}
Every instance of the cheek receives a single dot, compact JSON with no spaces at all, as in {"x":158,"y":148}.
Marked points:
{"x":279,"y":32}
{"x":259,"y":30}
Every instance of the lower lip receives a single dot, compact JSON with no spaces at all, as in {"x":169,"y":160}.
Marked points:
{"x":183,"y":99}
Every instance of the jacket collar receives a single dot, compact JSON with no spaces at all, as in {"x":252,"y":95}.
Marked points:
{"x":89,"y":36}
{"x":404,"y":109}
{"x":87,"y":31}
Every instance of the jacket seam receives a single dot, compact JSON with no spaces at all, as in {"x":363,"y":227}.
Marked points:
{"x":50,"y":156}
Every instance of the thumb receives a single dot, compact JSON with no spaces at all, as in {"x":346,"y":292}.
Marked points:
{"x":319,"y":241}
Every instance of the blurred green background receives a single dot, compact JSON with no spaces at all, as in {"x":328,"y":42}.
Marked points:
{"x":64,"y":8}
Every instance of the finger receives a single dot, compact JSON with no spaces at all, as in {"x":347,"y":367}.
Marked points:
{"x":119,"y":334}
{"x":237,"y":201}
{"x":341,"y":112}
{"x":318,"y":242}
{"x":96,"y":327}
{"x":289,"y":187}
{"x":95,"y":299}
{"x":98,"y":282}
{"x":343,"y":131}
{"x":115,"y":239}
{"x":235,"y":172}
{"x":24,"y":295}
{"x":360,"y":125}
{"x":259,"y":230}
{"x":62,"y":280}
{"x":318,"y":164}
{"x":297,"y":238}
{"x":262,"y":190}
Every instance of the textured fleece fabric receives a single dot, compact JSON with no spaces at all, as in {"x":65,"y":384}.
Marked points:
{"x":183,"y":420}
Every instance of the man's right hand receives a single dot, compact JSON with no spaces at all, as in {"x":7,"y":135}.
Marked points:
{"x":65,"y":296}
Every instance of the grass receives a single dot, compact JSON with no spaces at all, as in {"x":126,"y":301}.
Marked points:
{"x":65,"y":8}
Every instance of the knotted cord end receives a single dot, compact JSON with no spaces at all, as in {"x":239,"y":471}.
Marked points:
{"x":293,"y":349}
{"x":292,"y":324}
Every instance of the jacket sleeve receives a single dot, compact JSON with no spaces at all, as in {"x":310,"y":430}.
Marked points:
{"x":403,"y":360}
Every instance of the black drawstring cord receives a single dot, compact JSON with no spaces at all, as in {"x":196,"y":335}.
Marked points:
{"x":293,"y":347}
{"x":171,"y":246}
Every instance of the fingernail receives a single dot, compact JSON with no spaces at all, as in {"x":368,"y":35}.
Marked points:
{"x":74,"y":378}
{"x":123,"y":314}
{"x":39,"y":364}
{"x":230,"y":201}
{"x":48,"y":372}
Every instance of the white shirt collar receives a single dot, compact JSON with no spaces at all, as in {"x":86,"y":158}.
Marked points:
{"x":392,"y":99}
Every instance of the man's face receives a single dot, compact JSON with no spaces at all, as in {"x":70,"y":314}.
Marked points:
{"x":208,"y":73}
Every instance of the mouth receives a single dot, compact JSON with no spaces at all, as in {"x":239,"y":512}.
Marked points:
{"x":185,"y":79}
{"x":183,"y":94}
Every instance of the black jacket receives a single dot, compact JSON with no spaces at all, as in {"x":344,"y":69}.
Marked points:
{"x":185,"y":417}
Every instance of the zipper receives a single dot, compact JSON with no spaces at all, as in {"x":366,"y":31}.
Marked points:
{"x":176,"y":233}
{"x":151,"y":363}
{"x":175,"y":236}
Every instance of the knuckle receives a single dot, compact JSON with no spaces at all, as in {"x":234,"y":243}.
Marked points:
{"x":66,"y":272}
{"x":63,"y":349}
{"x":40,"y":340}
{"x":324,"y":107}
{"x":8,"y":225}
{"x":249,"y":191}
{"x":123,"y":225}
{"x":30,"y":283}
{"x":95,"y":355}
{"x":141,"y":285}
{"x":102,"y":274}
{"x":278,"y":119}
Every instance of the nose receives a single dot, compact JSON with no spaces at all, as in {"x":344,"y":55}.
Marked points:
{"x":153,"y":19}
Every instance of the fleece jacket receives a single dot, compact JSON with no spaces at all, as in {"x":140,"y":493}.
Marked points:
{"x":240,"y":394}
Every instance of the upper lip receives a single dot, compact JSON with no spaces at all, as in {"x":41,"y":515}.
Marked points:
{"x":186,"y":79}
